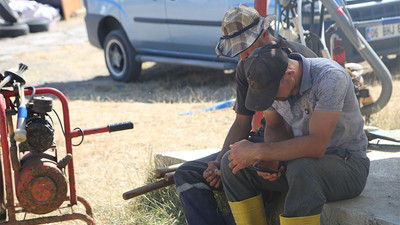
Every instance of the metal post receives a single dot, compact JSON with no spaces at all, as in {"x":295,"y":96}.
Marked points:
{"x":365,"y":50}
{"x":261,"y":6}
{"x":6,"y":160}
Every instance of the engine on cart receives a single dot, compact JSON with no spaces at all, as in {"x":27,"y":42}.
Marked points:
{"x":39,"y":126}
{"x":30,"y":161}
{"x":41,"y":185}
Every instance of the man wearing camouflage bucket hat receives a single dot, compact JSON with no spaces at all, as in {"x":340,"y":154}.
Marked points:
{"x":243,"y":30}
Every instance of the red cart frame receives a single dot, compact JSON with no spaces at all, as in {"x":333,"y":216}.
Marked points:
{"x":12,"y":207}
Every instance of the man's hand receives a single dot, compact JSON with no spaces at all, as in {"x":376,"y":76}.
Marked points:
{"x":242,"y":155}
{"x":269,"y":165}
{"x":212,"y":174}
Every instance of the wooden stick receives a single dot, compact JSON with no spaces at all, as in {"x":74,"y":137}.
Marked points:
{"x":146,"y":188}
{"x":160,"y":172}
{"x":169,"y":176}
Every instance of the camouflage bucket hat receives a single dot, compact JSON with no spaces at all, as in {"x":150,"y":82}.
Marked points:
{"x":241,"y":27}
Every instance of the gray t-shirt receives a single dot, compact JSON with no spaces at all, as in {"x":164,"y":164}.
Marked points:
{"x":326,"y":86}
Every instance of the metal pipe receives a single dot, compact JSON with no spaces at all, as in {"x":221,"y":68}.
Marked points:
{"x":5,"y":81}
{"x":6,"y":160}
{"x":332,"y":40}
{"x":109,"y":128}
{"x":300,"y":23}
{"x":20,"y":132}
{"x":312,"y":16}
{"x":366,"y":52}
{"x":261,"y":6}
{"x":367,"y":23}
{"x":147,"y":188}
{"x":86,"y":204}
{"x":324,"y":51}
{"x":53,"y":219}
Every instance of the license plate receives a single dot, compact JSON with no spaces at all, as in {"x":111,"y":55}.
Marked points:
{"x":382,"y":31}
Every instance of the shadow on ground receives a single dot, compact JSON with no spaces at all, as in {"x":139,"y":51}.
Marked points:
{"x":160,"y":83}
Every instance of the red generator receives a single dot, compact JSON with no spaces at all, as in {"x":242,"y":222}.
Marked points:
{"x":32,"y":169}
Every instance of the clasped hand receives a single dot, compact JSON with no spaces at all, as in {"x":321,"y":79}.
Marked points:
{"x":243,"y":154}
{"x":213,"y":174}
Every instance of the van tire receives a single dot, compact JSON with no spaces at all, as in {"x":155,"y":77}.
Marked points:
{"x":120,"y":57}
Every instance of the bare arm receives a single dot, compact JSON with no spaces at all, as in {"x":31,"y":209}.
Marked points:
{"x":276,"y":128}
{"x":239,"y":130}
{"x":322,"y":125}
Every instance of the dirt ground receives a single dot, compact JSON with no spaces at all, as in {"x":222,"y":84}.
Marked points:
{"x":106,"y":165}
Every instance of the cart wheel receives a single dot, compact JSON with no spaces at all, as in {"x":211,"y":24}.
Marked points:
{"x":120,"y":57}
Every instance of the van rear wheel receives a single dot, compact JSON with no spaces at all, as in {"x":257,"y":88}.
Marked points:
{"x":120,"y":57}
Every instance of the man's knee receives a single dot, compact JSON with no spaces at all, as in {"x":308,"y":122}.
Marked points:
{"x":179,"y":175}
{"x":189,"y":176}
{"x":225,"y":169}
{"x":301,"y":167}
{"x":188,"y":173}
{"x":303,"y":176}
{"x":305,"y":194}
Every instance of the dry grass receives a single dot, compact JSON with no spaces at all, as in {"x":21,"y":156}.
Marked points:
{"x":107,"y":165}
{"x":387,"y":118}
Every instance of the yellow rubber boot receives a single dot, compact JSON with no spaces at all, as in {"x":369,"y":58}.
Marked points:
{"x":304,"y":220}
{"x":249,"y":212}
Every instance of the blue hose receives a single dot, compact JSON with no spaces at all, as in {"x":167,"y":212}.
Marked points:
{"x":221,"y":105}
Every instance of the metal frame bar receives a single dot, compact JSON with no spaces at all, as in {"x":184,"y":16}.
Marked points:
{"x":73,"y":198}
{"x":365,"y":50}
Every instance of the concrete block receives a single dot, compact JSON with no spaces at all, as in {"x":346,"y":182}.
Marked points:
{"x":171,"y":158}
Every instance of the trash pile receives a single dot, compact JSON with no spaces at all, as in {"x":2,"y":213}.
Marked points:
{"x":21,"y":17}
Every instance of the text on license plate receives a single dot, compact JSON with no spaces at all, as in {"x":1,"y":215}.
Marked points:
{"x":382,"y":31}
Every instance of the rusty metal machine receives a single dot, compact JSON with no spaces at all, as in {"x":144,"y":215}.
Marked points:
{"x":34,"y":170}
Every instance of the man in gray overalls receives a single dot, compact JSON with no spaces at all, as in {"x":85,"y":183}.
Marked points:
{"x":325,"y":154}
